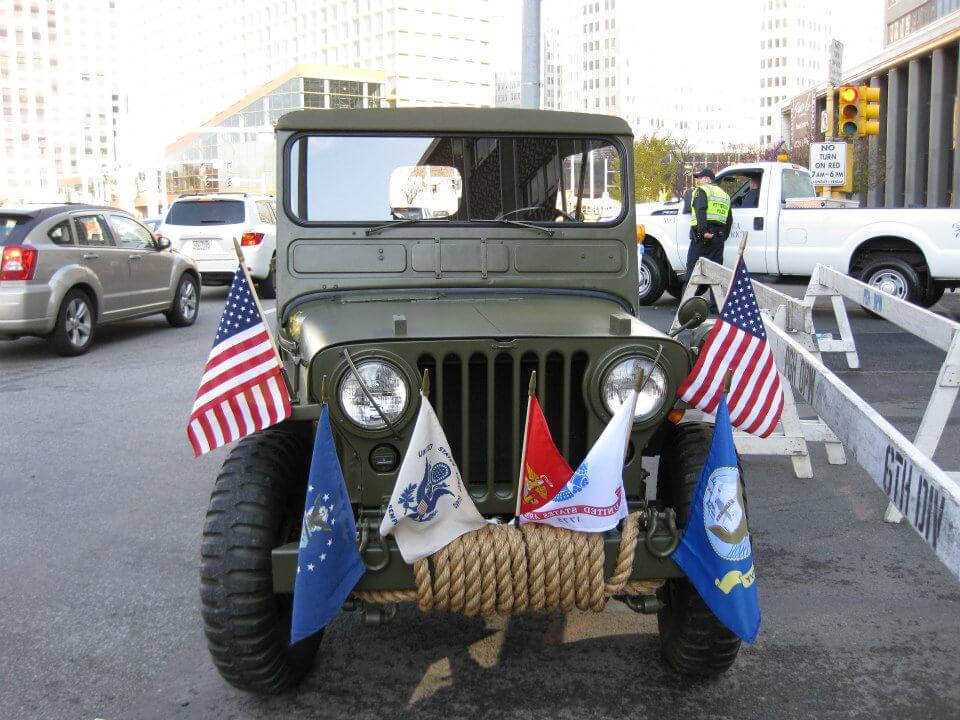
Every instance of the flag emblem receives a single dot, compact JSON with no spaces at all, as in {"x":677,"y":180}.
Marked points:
{"x":738,"y":343}
{"x":724,"y":517}
{"x":242,"y":388}
{"x":420,"y":499}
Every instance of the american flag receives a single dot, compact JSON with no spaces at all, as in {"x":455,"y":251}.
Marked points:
{"x":738,"y":343}
{"x":242,"y":388}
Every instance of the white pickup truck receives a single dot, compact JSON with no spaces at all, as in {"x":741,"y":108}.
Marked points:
{"x":911,"y":253}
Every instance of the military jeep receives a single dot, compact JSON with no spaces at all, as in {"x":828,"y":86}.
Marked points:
{"x":480,"y":245}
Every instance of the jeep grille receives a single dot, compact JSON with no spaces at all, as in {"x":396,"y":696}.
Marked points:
{"x":480,"y":399}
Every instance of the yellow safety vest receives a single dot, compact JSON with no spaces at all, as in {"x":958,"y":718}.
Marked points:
{"x":718,"y":204}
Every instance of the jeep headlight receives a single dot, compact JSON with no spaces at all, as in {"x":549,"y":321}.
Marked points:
{"x":620,"y":379}
{"x":387,"y":387}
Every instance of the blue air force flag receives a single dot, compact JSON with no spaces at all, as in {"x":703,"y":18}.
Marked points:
{"x":329,"y":565}
{"x":714,"y":549}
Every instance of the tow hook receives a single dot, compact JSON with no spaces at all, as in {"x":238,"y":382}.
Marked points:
{"x":375,"y":615}
{"x":643,"y":604}
{"x":369,"y":527}
{"x":653,"y":517}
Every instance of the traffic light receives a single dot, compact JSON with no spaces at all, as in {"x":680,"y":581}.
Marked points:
{"x":869,"y":111}
{"x":848,"y":112}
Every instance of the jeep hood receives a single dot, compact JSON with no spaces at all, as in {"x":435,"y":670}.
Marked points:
{"x":365,"y":317}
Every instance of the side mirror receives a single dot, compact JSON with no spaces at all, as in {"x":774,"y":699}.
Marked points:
{"x":163,"y":243}
{"x":692,"y":313}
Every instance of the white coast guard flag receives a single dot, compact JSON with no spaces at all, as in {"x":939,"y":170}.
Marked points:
{"x":430,"y":507}
{"x":593,"y":499}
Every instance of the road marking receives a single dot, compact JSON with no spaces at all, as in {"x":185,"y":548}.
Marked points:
{"x":271,"y":310}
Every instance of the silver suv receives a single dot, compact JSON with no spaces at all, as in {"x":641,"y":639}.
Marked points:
{"x":66,"y":269}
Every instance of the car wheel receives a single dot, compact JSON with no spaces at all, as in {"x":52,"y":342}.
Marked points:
{"x":692,"y":640}
{"x":186,"y":303}
{"x":893,"y":276}
{"x":256,"y":505}
{"x":76,"y":325}
{"x":268,"y":286}
{"x":651,"y":280}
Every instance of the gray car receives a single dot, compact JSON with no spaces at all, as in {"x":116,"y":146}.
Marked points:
{"x":67,"y":269}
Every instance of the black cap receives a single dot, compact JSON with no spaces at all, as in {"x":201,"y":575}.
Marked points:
{"x":705,"y":172}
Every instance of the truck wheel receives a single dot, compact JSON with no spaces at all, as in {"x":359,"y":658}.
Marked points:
{"x":651,"y":280}
{"x":932,"y":295}
{"x":186,"y":303}
{"x":76,"y":325}
{"x":268,"y":285}
{"x":893,"y":276}
{"x":674,"y":284}
{"x":256,"y":505}
{"x":692,"y":639}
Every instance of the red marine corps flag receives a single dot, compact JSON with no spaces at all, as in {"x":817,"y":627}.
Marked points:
{"x":242,"y":389}
{"x":738,"y":344}
{"x":543,"y":471}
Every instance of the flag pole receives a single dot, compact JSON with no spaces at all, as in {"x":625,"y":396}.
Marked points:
{"x":740,"y":250}
{"x":425,"y":383}
{"x":266,"y":325}
{"x":531,"y":390}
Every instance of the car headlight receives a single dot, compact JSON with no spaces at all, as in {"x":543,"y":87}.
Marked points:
{"x":620,"y":379}
{"x":387,"y":387}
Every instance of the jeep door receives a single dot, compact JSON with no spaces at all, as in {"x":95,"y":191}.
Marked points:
{"x":149,"y":276}
{"x":100,"y":254}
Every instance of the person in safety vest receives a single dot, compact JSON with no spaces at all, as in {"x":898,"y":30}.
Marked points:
{"x":710,"y":221}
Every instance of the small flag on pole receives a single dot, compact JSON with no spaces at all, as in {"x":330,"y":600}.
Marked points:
{"x":430,"y":508}
{"x":242,"y":389}
{"x":329,"y":565}
{"x":593,"y":499}
{"x":715,"y":550}
{"x":738,"y":343}
{"x":543,"y":471}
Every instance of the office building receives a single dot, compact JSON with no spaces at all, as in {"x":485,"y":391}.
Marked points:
{"x":434,"y":52}
{"x":62,"y":101}
{"x":235,"y":152}
{"x":903,"y":18}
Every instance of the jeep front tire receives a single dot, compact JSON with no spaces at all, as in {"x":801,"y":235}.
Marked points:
{"x":256,"y":505}
{"x":692,"y":639}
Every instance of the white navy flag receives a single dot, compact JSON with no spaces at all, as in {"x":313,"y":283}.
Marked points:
{"x":593,"y":499}
{"x":430,"y":506}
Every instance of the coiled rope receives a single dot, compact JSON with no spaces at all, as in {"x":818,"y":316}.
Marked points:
{"x":508,"y":569}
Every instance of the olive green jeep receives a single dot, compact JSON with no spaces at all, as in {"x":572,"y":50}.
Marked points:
{"x":480,"y":245}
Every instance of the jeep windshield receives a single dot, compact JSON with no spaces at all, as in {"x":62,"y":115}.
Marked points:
{"x":482,"y":178}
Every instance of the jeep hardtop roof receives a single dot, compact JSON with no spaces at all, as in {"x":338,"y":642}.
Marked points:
{"x":455,"y":120}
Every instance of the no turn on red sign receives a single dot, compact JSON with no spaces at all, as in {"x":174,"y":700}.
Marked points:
{"x":828,"y":163}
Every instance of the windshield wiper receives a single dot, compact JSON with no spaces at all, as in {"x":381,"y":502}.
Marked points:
{"x":530,"y":226}
{"x":377,"y":229}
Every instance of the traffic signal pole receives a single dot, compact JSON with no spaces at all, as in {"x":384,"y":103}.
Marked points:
{"x":828,"y":135}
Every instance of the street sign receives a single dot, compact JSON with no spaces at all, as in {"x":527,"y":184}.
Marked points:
{"x":802,"y":117}
{"x":836,"y":63}
{"x":828,"y":163}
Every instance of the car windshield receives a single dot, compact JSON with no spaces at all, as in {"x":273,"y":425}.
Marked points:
{"x":479,"y":178}
{"x":206,"y":212}
{"x":13,"y":228}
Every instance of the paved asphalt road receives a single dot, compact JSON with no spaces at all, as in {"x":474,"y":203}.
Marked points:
{"x":101,"y":508}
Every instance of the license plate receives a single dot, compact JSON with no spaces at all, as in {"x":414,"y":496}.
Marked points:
{"x":201,"y":245}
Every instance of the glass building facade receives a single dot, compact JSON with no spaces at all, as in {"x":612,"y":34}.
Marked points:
{"x":234,"y":152}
